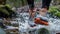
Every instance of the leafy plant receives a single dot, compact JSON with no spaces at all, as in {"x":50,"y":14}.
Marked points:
{"x":57,"y":14}
{"x":5,"y":11}
{"x":54,"y":11}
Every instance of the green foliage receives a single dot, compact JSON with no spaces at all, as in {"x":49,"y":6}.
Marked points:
{"x":54,"y":10}
{"x":57,"y":14}
{"x":43,"y":31}
{"x":8,"y":5}
{"x":17,"y":3}
{"x":5,"y":11}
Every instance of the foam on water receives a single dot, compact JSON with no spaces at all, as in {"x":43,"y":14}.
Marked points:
{"x":54,"y":24}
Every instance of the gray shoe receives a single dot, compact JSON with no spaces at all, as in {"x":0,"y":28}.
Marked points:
{"x":44,"y":18}
{"x":31,"y":22}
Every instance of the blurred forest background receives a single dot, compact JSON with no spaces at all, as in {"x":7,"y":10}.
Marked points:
{"x":19,"y":3}
{"x":55,"y":5}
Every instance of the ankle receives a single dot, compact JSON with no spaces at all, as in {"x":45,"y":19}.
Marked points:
{"x":43,"y":12}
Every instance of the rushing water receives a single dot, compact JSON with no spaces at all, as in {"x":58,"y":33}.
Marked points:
{"x":2,"y":31}
{"x":53,"y":27}
{"x":54,"y":24}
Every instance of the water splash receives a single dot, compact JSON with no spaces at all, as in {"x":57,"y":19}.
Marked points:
{"x":54,"y":24}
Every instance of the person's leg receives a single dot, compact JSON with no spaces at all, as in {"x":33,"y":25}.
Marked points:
{"x":45,"y":6}
{"x":31,"y":3}
{"x":32,"y":11}
{"x":31,"y":7}
{"x":42,"y":19}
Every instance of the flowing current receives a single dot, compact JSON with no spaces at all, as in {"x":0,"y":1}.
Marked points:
{"x":54,"y":24}
{"x":23,"y":18}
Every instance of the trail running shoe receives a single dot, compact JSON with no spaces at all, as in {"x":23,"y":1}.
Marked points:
{"x":41,"y":20}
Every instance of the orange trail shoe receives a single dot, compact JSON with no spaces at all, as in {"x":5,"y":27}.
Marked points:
{"x":40,"y":21}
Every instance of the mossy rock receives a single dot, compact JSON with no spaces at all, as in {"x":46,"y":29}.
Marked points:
{"x":43,"y":31}
{"x":8,"y":5}
{"x":11,"y":12}
{"x":6,"y":11}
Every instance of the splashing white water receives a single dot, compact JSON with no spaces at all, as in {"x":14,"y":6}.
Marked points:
{"x":54,"y":24}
